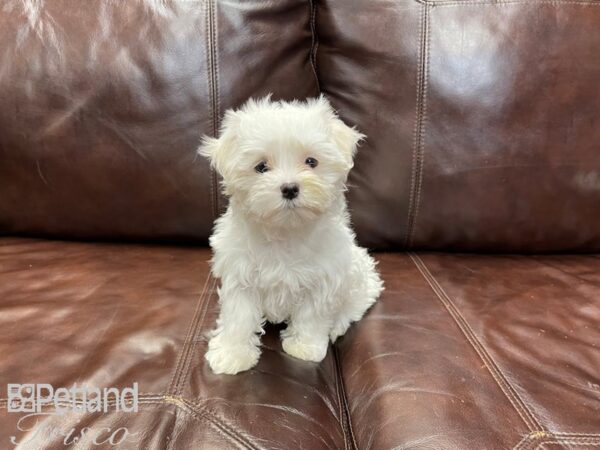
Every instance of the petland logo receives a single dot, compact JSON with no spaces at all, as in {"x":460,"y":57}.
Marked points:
{"x":32,"y":398}
{"x":41,"y":401}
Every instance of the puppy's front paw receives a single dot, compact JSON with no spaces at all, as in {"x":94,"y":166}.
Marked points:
{"x":231,"y":359}
{"x":305,"y":349}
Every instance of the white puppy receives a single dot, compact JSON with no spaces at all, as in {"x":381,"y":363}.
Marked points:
{"x":284,"y":250}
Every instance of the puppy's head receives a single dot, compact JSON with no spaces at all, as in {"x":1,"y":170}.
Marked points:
{"x":283,"y":163}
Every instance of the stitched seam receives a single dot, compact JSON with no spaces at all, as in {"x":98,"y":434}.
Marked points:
{"x":583,"y":435}
{"x":188,"y":407}
{"x":340,"y":405}
{"x":183,"y":353}
{"x":345,"y":419}
{"x":423,"y":125}
{"x":210,"y":94}
{"x":177,"y":429}
{"x":217,"y":96}
{"x":497,"y":374}
{"x":200,"y":413}
{"x":180,"y":360}
{"x":565,"y":441}
{"x":522,"y":444}
{"x":340,"y":408}
{"x":493,"y":368}
{"x":213,"y":93}
{"x":417,"y":176}
{"x":411,"y":194}
{"x":314,"y":45}
{"x":80,"y":402}
{"x":228,"y":431}
{"x":188,"y":355}
{"x":417,"y":157}
{"x":203,"y":413}
{"x":530,"y":439}
{"x":192,"y":346}
{"x":538,"y":441}
{"x":435,"y":4}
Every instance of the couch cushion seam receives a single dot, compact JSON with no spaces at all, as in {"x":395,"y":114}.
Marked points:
{"x":217,"y":73}
{"x":569,"y":435}
{"x":436,"y":4}
{"x":423,"y":125}
{"x":536,"y":444}
{"x":418,"y":139}
{"x":536,"y":438}
{"x":190,"y":408}
{"x":523,"y":443}
{"x":526,"y":415}
{"x":339,"y":399}
{"x":345,"y":419}
{"x":314,"y":45}
{"x":213,"y":87}
{"x":197,"y":321}
{"x":192,"y":347}
{"x":416,"y":182}
{"x":202,"y":412}
{"x":188,"y":337}
{"x":595,"y":443}
{"x":186,"y":349}
{"x":144,"y":397}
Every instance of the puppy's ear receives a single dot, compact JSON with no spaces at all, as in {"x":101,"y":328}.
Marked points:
{"x":345,"y":138}
{"x":220,"y":151}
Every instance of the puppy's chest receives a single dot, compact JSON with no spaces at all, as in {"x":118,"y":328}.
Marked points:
{"x":295,"y":268}
{"x":280,"y":272}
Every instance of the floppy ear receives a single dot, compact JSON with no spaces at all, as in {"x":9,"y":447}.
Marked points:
{"x":220,"y":151}
{"x":345,"y":138}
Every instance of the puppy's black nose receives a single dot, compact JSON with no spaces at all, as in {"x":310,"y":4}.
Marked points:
{"x":290,"y":190}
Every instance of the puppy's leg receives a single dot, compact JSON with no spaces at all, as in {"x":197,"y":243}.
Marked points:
{"x":307,"y":334}
{"x":355,"y":306}
{"x":234,"y":345}
{"x":364,"y":287}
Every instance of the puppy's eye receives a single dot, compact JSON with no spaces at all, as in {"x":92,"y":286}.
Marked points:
{"x":311,"y":162}
{"x":262,"y":167}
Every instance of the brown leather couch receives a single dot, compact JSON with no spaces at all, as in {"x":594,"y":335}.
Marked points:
{"x":478,"y":187}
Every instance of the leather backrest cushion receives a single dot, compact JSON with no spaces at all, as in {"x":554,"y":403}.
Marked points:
{"x":102,"y":107}
{"x":482,"y":117}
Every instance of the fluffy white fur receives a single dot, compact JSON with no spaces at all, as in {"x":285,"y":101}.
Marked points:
{"x":282,"y":260}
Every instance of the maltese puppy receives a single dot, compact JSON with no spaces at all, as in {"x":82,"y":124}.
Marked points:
{"x":284,"y":250}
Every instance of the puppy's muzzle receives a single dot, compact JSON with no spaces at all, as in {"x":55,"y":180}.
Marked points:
{"x":290,"y":191}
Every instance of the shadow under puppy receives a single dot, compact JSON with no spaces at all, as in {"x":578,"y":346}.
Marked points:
{"x":284,"y":250}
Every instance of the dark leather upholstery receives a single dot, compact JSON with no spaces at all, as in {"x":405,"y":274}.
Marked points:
{"x":102,"y":108}
{"x":476,"y":351}
{"x":481,"y":116}
{"x":112,"y":315}
{"x":483,"y":124}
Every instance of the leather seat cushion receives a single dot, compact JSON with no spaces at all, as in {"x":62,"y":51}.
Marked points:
{"x":468,"y":351}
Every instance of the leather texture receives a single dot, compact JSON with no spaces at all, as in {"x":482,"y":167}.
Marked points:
{"x":478,"y":351}
{"x":482,"y":120}
{"x":110,"y":315}
{"x":483,"y":128}
{"x":103,"y":107}
{"x":462,"y":351}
